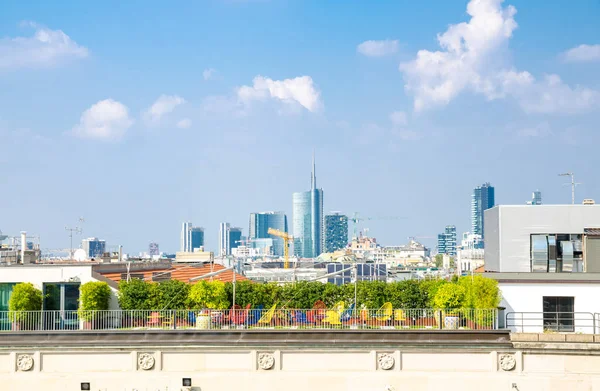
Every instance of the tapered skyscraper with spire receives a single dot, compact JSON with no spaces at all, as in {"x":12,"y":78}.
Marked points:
{"x":307,"y":219}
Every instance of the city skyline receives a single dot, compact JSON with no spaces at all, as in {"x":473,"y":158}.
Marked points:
{"x":208,"y":140}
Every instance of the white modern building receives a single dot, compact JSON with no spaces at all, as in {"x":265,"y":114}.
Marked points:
{"x":542,"y":238}
{"x":470,"y":255}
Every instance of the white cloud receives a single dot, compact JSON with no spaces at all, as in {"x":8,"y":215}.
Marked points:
{"x":208,"y":74}
{"x":299,"y":90}
{"x":473,"y":59}
{"x":165,"y":104}
{"x":45,"y":48}
{"x":106,"y":120}
{"x":399,"y":118}
{"x":378,"y":48}
{"x":583,"y":53}
{"x":184,"y":123}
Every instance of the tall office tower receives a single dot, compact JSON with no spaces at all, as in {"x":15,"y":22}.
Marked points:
{"x":536,"y":198}
{"x":229,"y":237}
{"x":191,"y":237}
{"x":260,"y":224}
{"x":447,"y":241}
{"x":93,"y":247}
{"x":482,"y":199}
{"x":308,"y":221}
{"x":336,"y":232}
{"x":224,"y":248}
{"x":153,"y":249}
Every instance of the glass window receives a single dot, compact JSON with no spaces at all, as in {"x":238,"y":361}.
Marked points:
{"x":61,"y":301}
{"x":559,"y":313}
{"x":5,"y":292}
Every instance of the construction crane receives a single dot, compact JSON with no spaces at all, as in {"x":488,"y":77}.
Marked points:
{"x":355,"y":219}
{"x":286,"y":244}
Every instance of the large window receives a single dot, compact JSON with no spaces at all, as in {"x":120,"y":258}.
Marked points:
{"x":61,"y":303}
{"x":559,"y":313}
{"x":5,"y":291}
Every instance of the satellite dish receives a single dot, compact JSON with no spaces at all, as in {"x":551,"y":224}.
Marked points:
{"x":79,"y":255}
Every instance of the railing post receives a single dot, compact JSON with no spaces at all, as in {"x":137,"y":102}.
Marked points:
{"x":440,"y":322}
{"x":174,"y":320}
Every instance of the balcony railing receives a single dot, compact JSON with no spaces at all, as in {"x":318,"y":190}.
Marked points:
{"x":554,"y":321}
{"x":278,"y":319}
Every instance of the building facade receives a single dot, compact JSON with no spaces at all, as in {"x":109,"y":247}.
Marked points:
{"x":260,"y":224}
{"x":93,"y":247}
{"x":482,"y":199}
{"x":308,"y":220}
{"x":153,"y":249}
{"x":447,"y":241}
{"x":191,"y":237}
{"x":336,"y":232}
{"x":544,"y":239}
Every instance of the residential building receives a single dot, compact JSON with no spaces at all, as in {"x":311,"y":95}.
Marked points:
{"x":93,"y":247}
{"x":536,"y":198}
{"x":482,"y":199}
{"x":469,"y":254}
{"x":544,"y":239}
{"x":191,"y":237}
{"x":336,"y":232}
{"x":308,"y":221}
{"x":447,"y":241}
{"x":153,"y":249}
{"x":413,"y":253}
{"x":260,"y":224}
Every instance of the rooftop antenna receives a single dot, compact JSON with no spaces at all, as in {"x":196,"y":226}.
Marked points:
{"x":76,"y":230}
{"x":573,"y":184}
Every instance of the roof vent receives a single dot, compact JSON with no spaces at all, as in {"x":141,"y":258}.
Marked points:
{"x":589,"y":201}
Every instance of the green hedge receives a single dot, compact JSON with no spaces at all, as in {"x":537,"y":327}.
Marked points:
{"x":95,"y":296}
{"x":25,"y":297}
{"x":465,"y":292}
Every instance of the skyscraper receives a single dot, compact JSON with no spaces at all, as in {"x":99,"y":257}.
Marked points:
{"x":191,"y":237}
{"x":153,"y":249}
{"x":336,"y":232}
{"x":308,"y":220}
{"x":482,"y":199}
{"x":229,"y":237}
{"x":260,"y":224}
{"x":536,"y":198}
{"x":447,"y":241}
{"x":93,"y":247}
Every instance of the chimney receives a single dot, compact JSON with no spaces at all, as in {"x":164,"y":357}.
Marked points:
{"x":23,"y":245}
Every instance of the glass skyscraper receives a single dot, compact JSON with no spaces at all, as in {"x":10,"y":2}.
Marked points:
{"x":229,"y":237}
{"x":482,"y":199}
{"x":336,"y":232}
{"x":191,"y":237}
{"x":308,"y":221}
{"x":447,"y":241}
{"x":260,"y":224}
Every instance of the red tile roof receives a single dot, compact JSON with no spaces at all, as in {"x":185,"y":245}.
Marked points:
{"x":184,"y":273}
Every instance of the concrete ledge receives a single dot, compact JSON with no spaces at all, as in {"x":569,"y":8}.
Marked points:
{"x":586,"y":338}
{"x":272,"y":338}
{"x":524,"y":337}
{"x":552,"y":337}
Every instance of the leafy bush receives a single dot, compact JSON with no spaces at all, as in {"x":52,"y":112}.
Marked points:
{"x":135,"y":294}
{"x":95,"y":296}
{"x":449,"y":297}
{"x":212,"y":295}
{"x":480,"y":292}
{"x":405,"y":294}
{"x":24,"y":297}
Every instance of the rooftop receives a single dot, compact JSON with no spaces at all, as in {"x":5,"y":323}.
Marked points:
{"x":178,"y":272}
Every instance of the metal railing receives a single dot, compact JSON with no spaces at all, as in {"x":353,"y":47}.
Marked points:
{"x":557,"y":321}
{"x":208,"y":319}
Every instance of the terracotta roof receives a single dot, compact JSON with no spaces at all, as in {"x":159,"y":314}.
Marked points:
{"x":480,"y":269}
{"x":183,"y":273}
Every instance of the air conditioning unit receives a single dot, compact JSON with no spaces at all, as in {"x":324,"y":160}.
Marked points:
{"x":589,"y":201}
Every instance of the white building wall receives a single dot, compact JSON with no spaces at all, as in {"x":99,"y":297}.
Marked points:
{"x":508,"y":229}
{"x":527,"y":298}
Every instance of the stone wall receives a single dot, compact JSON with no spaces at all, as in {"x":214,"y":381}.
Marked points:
{"x":307,"y":363}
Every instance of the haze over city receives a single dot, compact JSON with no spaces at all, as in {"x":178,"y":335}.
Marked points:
{"x":140,"y":116}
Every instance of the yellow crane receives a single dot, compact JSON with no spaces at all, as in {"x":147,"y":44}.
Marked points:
{"x":286,"y":244}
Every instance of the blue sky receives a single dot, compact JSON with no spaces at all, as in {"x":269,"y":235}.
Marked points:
{"x":139,"y":116}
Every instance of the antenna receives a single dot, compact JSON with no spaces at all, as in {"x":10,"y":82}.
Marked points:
{"x":76,"y":230}
{"x":573,"y":184}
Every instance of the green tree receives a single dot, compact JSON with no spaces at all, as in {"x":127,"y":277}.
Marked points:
{"x":136,"y":294}
{"x":405,"y":294}
{"x":439,"y":260}
{"x":429,"y":288}
{"x":95,"y":296}
{"x":211,"y":295}
{"x":480,"y":292}
{"x":24,"y":297}
{"x":449,"y":297}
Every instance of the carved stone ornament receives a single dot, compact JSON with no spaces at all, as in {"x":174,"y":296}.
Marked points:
{"x":386,"y":361}
{"x":146,"y":361}
{"x":266,"y":361}
{"x":24,"y":362}
{"x":507,"y":362}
